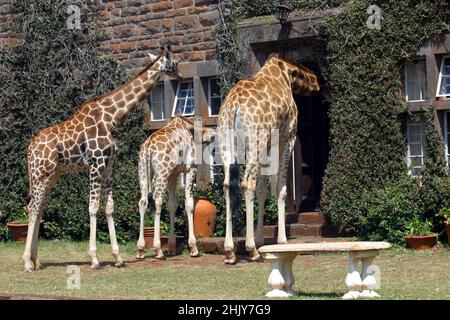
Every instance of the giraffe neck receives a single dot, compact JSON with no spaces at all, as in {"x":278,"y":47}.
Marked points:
{"x":121,"y":102}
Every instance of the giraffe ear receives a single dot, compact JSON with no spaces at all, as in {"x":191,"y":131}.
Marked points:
{"x":152,"y":56}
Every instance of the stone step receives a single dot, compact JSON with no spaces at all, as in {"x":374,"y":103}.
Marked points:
{"x":313,"y":217}
{"x":216,"y":245}
{"x":294,"y":230}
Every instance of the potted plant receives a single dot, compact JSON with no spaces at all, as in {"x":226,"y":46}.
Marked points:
{"x":204,"y":216}
{"x":18,"y":226}
{"x":419,"y":235}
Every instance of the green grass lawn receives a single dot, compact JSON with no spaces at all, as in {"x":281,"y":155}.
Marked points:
{"x":405,"y":275}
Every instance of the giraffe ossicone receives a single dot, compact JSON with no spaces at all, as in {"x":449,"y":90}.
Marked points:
{"x":263,"y":102}
{"x":85,"y":142}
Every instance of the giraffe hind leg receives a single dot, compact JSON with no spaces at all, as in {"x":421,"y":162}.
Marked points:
{"x":109,"y":211}
{"x":39,"y":193}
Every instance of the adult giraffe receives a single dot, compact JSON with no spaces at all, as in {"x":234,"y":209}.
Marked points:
{"x":255,"y":109}
{"x":164,"y":155}
{"x":85,"y":142}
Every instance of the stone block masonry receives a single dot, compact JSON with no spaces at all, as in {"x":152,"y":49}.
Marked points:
{"x":132,"y":28}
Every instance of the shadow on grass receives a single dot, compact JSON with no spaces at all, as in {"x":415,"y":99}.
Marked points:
{"x":335,"y":295}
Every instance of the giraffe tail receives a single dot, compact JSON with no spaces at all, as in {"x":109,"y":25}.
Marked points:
{"x":150,"y":199}
{"x":235,"y":187}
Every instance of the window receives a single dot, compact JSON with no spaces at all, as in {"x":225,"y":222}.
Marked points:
{"x":447,"y":137}
{"x":415,"y":80}
{"x":416,"y":145}
{"x":184,"y":100}
{"x":156,"y":102}
{"x":444,"y":78}
{"x":214,"y":97}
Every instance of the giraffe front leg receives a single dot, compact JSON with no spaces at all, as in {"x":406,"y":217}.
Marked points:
{"x":109,"y":211}
{"x":143,"y":203}
{"x":157,"y":222}
{"x":249,"y":198}
{"x":172,"y":206}
{"x":285,"y":157}
{"x":190,"y":212}
{"x":261,"y":193}
{"x":94,"y":200}
{"x":230,"y":257}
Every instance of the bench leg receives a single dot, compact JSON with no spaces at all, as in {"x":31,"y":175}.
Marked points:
{"x":361,"y":285}
{"x":353,"y":278}
{"x":369,"y":283}
{"x":288,"y":275}
{"x":281,"y":278}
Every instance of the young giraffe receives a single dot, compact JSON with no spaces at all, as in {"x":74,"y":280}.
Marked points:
{"x":253,"y":109}
{"x":85,"y":142}
{"x":164,"y":155}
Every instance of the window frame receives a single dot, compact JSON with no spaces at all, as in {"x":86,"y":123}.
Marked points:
{"x":161,"y":86}
{"x":441,"y":68}
{"x":446,"y":140}
{"x":175,"y":102}
{"x":210,"y":98}
{"x":422,"y":146}
{"x":423,"y":96}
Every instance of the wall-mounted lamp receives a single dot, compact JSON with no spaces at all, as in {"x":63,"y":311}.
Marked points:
{"x":282,"y":13}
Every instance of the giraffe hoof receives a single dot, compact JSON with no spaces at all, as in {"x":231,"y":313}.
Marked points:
{"x":194,"y":253}
{"x":29,"y":270}
{"x":119,"y":264}
{"x":230,"y":261}
{"x":160,"y":257}
{"x":256,"y":258}
{"x":96,"y":266}
{"x":140,"y":256}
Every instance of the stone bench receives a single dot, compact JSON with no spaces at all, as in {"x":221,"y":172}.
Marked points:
{"x":362,"y":284}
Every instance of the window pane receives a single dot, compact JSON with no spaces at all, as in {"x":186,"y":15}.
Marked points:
{"x":215,"y":106}
{"x":415,"y":150}
{"x":445,"y":77}
{"x":416,"y":171}
{"x":184,"y":102}
{"x":156,"y":102}
{"x":215,"y":98}
{"x":415,"y":73}
{"x":416,"y":146}
{"x":215,"y":89}
{"x":446,"y":69}
{"x":445,"y":85}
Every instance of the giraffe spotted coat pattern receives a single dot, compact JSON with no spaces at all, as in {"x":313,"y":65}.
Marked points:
{"x":260,"y":110}
{"x":164,"y":155}
{"x":85,"y":142}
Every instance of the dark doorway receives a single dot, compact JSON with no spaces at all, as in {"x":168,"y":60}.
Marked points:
{"x":311,"y":153}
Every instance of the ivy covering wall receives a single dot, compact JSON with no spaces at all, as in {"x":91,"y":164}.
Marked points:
{"x":363,"y":73}
{"x":43,"y":81}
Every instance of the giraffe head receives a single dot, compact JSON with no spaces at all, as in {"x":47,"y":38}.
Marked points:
{"x":303,"y":81}
{"x":168,"y":64}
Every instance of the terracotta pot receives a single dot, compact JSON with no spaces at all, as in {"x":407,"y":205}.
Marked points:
{"x":421,"y":242}
{"x":19,"y":231}
{"x":149,"y":231}
{"x":204,"y":218}
{"x":447,"y":226}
